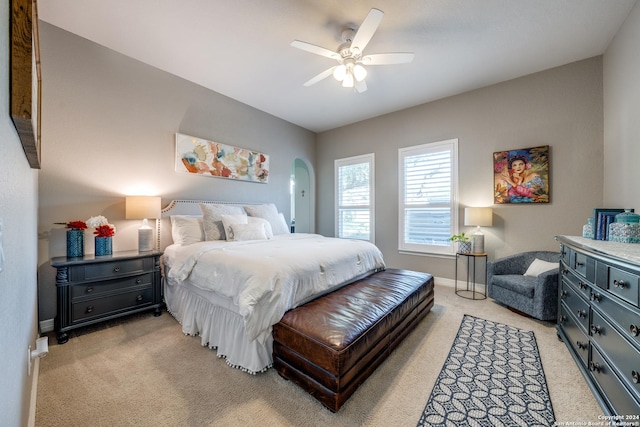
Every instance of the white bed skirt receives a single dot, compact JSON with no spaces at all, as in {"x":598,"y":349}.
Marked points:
{"x":219,"y":328}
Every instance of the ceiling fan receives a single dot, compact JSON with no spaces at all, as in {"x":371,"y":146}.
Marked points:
{"x":351,"y":60}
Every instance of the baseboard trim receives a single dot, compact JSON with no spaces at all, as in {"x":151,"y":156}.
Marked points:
{"x":46,"y":326}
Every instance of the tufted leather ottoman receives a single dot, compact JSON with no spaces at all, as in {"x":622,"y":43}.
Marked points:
{"x":332,"y":344}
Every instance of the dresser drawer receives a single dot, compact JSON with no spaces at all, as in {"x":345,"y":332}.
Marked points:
{"x":115,"y":268}
{"x":575,"y":304}
{"x":577,"y":338}
{"x":91,"y":308}
{"x":625,"y":318}
{"x":624,"y":285}
{"x":579,"y":283}
{"x":622,"y":355}
{"x":98,"y":288}
{"x":579,"y":263}
{"x":617,"y":395}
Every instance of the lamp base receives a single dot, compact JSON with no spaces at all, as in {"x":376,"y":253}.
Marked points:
{"x":477,"y":243}
{"x":145,"y":239}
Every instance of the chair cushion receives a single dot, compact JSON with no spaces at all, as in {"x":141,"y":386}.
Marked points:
{"x":523,"y":285}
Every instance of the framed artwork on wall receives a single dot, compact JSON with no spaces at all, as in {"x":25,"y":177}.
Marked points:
{"x":521,"y":175}
{"x":25,"y":82}
{"x":208,"y":158}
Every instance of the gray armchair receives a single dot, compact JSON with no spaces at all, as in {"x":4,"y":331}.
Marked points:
{"x":535,"y":296}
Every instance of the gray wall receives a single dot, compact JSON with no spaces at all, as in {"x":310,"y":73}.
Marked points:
{"x":110,"y":125}
{"x":18,"y":290}
{"x":622,"y":116}
{"x":561,"y":107}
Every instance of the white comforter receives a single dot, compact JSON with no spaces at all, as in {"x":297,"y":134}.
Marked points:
{"x":266,"y":278}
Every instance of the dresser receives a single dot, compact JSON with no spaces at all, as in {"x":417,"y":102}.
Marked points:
{"x":599,"y":319}
{"x":93,"y":289}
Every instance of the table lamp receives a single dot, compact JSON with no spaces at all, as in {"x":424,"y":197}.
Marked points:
{"x":143,"y":207}
{"x":478,"y":217}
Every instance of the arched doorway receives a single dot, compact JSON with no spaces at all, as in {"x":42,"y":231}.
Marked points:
{"x":302,"y":197}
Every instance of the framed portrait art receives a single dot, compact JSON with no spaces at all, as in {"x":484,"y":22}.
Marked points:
{"x":521,"y":176}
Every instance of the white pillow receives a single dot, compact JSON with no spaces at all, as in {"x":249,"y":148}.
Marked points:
{"x":267,"y":225}
{"x":186,"y":229}
{"x":229,"y":220}
{"x":212,"y":219}
{"x":270,"y":213}
{"x":539,"y":266}
{"x":253,"y":231}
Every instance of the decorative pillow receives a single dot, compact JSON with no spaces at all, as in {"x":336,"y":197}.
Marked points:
{"x":253,"y":231}
{"x":186,"y":229}
{"x":267,"y":225}
{"x":229,"y":220}
{"x":539,"y":266}
{"x":212,"y":219}
{"x":270,"y":213}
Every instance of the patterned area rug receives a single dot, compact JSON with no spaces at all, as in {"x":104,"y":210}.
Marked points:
{"x":492,"y":377}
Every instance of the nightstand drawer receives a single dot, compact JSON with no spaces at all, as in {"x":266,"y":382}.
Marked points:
{"x":91,"y":289}
{"x":115,"y":268}
{"x":90,"y":308}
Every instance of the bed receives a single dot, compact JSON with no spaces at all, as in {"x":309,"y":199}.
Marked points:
{"x":231,"y":271}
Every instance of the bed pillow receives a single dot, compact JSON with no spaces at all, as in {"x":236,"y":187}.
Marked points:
{"x":254,"y":231}
{"x":267,"y":225}
{"x":186,"y":229}
{"x":212,"y":219}
{"x":539,"y":266}
{"x":229,"y":220}
{"x":271,"y":214}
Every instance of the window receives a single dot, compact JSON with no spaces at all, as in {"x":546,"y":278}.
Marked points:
{"x":428,"y":197}
{"x":354,"y":197}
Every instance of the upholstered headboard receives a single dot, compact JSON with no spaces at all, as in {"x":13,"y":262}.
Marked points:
{"x":183,"y":207}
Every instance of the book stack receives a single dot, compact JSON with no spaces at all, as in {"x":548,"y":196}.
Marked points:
{"x":602,"y":218}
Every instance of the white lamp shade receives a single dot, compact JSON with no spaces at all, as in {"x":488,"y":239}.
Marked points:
{"x":482,"y":217}
{"x":142,"y":207}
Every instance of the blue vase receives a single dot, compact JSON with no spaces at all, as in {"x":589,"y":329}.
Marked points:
{"x":103,"y":246}
{"x":75,"y":243}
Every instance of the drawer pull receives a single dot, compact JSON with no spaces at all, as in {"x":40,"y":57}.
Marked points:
{"x":565,"y":271}
{"x":563,"y":319}
{"x":89,"y":309}
{"x":582,"y":313}
{"x":116,"y":269}
{"x":564,"y":293}
{"x":635,"y":377}
{"x":595,"y":297}
{"x":596,"y":329}
{"x":594,"y":367}
{"x":620,"y":284}
{"x":635,"y":330}
{"x":579,"y":264}
{"x":138,"y":281}
{"x":89,"y":289}
{"x":583,"y":286}
{"x":581,"y":345}
{"x":139,"y":298}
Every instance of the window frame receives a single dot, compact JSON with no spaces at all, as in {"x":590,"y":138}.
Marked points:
{"x":349,"y":161}
{"x":452,"y":146}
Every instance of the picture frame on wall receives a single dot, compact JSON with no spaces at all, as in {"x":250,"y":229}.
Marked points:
{"x":521,"y":176}
{"x":25,"y":82}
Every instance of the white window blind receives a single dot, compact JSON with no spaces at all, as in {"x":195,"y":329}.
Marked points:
{"x":354,"y":197}
{"x":428,"y":197}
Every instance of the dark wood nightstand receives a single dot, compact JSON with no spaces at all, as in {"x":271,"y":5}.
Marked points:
{"x":93,"y":289}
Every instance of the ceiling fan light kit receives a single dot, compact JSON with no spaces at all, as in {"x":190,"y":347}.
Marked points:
{"x":349,"y":55}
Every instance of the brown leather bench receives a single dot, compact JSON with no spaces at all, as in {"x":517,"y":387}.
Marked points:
{"x":332,"y":344}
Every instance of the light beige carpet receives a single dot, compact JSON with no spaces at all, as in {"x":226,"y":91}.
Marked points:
{"x":143,"y":371}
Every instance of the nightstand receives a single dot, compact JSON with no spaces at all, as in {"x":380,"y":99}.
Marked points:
{"x":93,"y":289}
{"x":470,"y":291}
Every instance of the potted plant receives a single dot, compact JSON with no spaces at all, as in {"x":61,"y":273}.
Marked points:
{"x":464,"y":242}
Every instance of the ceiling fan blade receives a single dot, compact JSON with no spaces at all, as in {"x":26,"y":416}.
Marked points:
{"x":323,"y":75}
{"x":387,"y":58}
{"x":366,"y":30}
{"x":315,"y":49}
{"x":361,"y":86}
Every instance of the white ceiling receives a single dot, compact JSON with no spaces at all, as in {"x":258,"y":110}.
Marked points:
{"x":242,"y":49}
